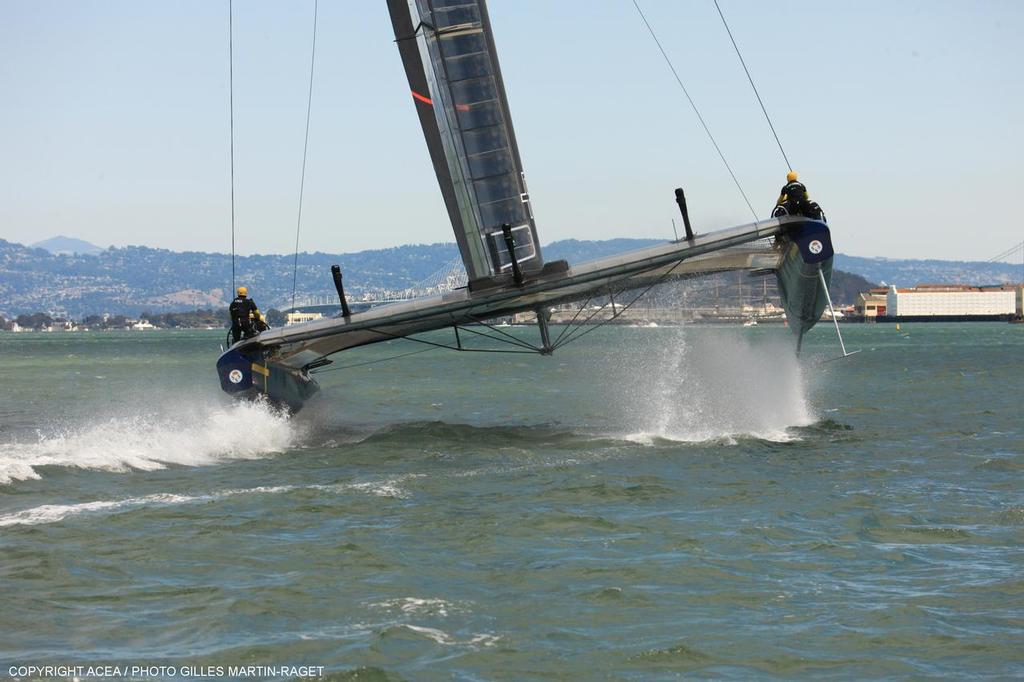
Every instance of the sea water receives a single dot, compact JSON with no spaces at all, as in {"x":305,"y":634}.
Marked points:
{"x":645,"y":504}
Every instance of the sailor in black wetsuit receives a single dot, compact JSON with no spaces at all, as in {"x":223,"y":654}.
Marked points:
{"x":794,"y":200}
{"x":246,"y":320}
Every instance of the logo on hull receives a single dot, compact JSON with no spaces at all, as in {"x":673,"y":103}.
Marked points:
{"x":235,"y":376}
{"x":815,"y":247}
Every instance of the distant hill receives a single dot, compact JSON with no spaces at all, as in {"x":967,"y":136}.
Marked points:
{"x":129,"y":280}
{"x":580,"y":251}
{"x":132,"y":279}
{"x":68,"y":246}
{"x":845,"y":286}
{"x":908,"y":273}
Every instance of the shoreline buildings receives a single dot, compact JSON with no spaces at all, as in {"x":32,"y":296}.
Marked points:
{"x":941,"y":302}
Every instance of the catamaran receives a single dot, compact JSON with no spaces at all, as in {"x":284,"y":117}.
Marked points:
{"x":448,"y":51}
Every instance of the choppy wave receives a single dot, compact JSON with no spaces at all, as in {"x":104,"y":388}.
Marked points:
{"x":716,"y":387}
{"x":418,"y":606}
{"x":436,"y":635}
{"x":52,"y":513}
{"x":187,"y":433}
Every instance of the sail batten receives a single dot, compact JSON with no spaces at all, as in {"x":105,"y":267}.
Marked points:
{"x":449,"y":56}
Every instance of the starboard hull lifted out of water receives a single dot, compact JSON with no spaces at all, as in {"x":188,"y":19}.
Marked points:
{"x":450,"y":60}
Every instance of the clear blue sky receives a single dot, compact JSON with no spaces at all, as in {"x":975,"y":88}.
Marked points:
{"x":904,"y":119}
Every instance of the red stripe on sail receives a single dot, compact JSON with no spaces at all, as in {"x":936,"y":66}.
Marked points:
{"x":425,"y":100}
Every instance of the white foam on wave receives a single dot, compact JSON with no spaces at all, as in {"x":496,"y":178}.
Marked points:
{"x":442,"y":637}
{"x":381,"y":489}
{"x":417,"y":606}
{"x":715,"y":385}
{"x":188,"y":433}
{"x":52,"y":513}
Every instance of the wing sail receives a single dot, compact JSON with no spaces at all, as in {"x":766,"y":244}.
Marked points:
{"x":448,"y":51}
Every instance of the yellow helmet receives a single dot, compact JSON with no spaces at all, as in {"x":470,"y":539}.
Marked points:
{"x":242,"y":291}
{"x":791,"y":176}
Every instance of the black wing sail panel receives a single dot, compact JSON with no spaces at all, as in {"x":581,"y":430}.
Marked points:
{"x":448,"y":52}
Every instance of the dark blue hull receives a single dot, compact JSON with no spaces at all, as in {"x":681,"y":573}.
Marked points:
{"x":245,"y":376}
{"x":807,"y":257}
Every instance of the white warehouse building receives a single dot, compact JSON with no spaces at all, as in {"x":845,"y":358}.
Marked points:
{"x":932,"y":300}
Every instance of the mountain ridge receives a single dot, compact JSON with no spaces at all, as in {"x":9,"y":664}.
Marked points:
{"x":128,"y":280}
{"x":68,"y":245}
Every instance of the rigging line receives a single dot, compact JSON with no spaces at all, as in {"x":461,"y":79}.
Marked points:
{"x":445,"y":346}
{"x":515,"y":340}
{"x":409,"y":338}
{"x":751,"y":79}
{"x":629,"y":305}
{"x":611,"y":294}
{"x":305,"y":148}
{"x":696,"y":111}
{"x":573,"y":331}
{"x":231,"y":100}
{"x":568,"y":326}
{"x":1005,"y":254}
{"x":372,"y":362}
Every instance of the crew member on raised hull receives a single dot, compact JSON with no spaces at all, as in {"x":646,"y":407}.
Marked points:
{"x":794,"y":200}
{"x":246,"y":320}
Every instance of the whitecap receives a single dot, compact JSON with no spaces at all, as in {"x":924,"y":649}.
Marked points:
{"x":52,"y":513}
{"x":187,"y":433}
{"x":417,"y":606}
{"x":442,"y":637}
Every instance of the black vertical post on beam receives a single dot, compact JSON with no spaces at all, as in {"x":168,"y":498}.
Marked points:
{"x":681,"y":200}
{"x":510,"y":244}
{"x":336,"y":274}
{"x":545,"y":333}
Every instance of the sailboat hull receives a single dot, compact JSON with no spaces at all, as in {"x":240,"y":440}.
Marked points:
{"x":251,"y":376}
{"x":807,"y":256}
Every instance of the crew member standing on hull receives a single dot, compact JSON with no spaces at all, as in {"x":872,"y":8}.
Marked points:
{"x":246,"y":320}
{"x":794,"y":200}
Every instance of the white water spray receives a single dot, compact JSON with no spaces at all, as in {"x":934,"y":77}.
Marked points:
{"x":186,"y":433}
{"x":715,"y":384}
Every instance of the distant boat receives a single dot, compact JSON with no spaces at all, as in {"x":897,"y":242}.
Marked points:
{"x":750,"y":323}
{"x":451,"y":63}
